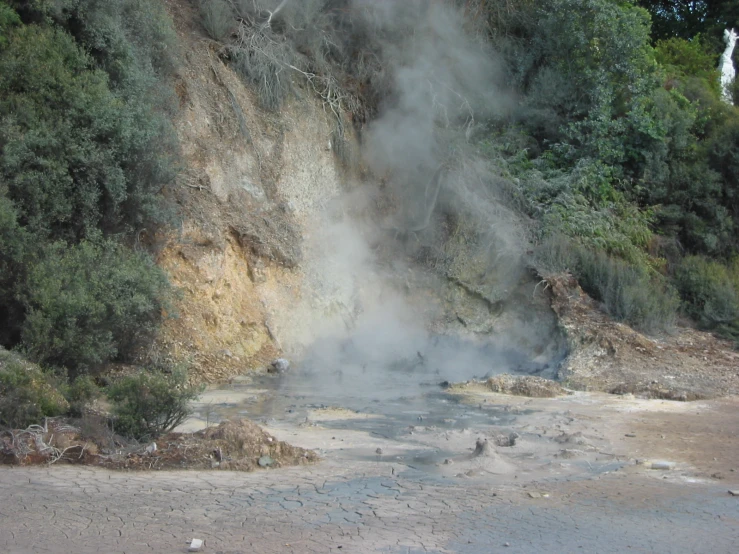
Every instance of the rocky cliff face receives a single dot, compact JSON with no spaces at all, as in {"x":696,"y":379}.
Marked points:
{"x":277,"y":245}
{"x":251,"y":187}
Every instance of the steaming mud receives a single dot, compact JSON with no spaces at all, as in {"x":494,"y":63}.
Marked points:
{"x":388,"y":403}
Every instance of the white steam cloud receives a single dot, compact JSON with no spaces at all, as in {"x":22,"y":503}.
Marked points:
{"x":444,"y":84}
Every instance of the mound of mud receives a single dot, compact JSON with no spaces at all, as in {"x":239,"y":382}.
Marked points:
{"x":535,"y":387}
{"x":233,"y":445}
{"x":517,"y":385}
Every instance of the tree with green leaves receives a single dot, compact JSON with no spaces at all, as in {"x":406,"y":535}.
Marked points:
{"x":690,"y":18}
{"x":86,"y":146}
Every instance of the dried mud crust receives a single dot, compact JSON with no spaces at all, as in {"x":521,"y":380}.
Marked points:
{"x":611,"y":357}
{"x":233,"y":445}
{"x":515,"y":385}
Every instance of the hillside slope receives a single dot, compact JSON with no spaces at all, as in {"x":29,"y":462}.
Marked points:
{"x":280,"y":247}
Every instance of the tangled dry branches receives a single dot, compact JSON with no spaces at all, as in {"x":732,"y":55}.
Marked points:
{"x":38,"y":442}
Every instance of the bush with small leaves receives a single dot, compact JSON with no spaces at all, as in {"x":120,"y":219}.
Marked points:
{"x":710,"y":294}
{"x":634,"y":294}
{"x":629,"y":293}
{"x":81,"y":393}
{"x":147,"y":404}
{"x":90,"y":303}
{"x":27,"y":394}
{"x":218,"y":18}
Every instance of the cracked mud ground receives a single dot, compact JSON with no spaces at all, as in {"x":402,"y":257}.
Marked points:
{"x":354,"y":505}
{"x":326,"y":510}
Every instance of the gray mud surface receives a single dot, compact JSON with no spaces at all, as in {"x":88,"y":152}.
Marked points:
{"x":400,"y":474}
{"x":364,"y":508}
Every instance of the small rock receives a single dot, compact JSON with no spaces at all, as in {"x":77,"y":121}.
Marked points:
{"x":734,"y":493}
{"x":195,"y":545}
{"x":630,"y":435}
{"x":448,"y":462}
{"x":506,"y":440}
{"x":280,"y":365}
{"x":662,"y":465}
{"x":569,"y":453}
{"x":265,"y":461}
{"x":533,"y":494}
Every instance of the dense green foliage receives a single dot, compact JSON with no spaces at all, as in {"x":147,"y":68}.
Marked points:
{"x":688,"y":18}
{"x":149,"y":403}
{"x":629,"y":151}
{"x":88,"y":301}
{"x":86,"y":145}
{"x":711,"y":291}
{"x":27,"y":394}
{"x":73,"y":153}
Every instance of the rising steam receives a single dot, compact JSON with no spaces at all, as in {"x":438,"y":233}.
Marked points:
{"x":435,"y":235}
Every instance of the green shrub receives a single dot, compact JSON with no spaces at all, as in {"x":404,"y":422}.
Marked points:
{"x":556,"y":254}
{"x":8,"y":18}
{"x":709,"y":292}
{"x":635,"y":295}
{"x":692,"y":58}
{"x":629,"y":293}
{"x":90,"y":303}
{"x":131,"y":40}
{"x":218,"y":18}
{"x":147,"y":404}
{"x":81,"y":393}
{"x":13,"y":247}
{"x":75,"y":156}
{"x":86,"y":147}
{"x":583,"y":204}
{"x":27,"y":394}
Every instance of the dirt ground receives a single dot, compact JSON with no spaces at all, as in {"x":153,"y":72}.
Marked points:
{"x":608,"y":356}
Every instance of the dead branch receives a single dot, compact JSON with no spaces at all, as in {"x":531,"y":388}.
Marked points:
{"x":268,"y":24}
{"x":539,"y":283}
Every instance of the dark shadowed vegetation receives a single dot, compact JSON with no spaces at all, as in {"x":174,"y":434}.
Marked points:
{"x":86,"y":147}
{"x":622,"y":145}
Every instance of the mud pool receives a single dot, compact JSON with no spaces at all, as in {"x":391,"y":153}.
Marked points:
{"x":358,"y":406}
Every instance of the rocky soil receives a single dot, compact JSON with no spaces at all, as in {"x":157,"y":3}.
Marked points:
{"x":608,"y":356}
